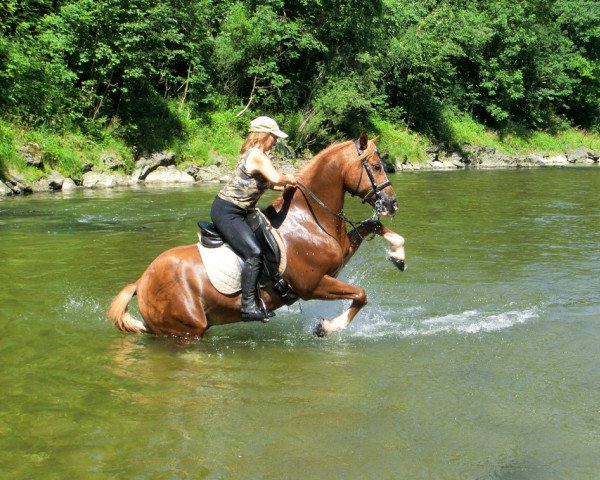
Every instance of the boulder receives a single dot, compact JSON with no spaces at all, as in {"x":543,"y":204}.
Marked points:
{"x":209,"y":174}
{"x":579,"y":155}
{"x":17,"y":183}
{"x":32,"y":154}
{"x":68,"y":185}
{"x":193,"y":170}
{"x":446,"y":163}
{"x":456,"y":160}
{"x":168,"y":175}
{"x":146,"y":165}
{"x":42,"y":185}
{"x":55,"y":181}
{"x":4,"y":190}
{"x":48,"y":184}
{"x":484,"y":157}
{"x":438,"y":159}
{"x":112,"y":161}
{"x":103,"y":180}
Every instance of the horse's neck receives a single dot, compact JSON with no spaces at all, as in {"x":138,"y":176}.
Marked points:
{"x":325,"y":179}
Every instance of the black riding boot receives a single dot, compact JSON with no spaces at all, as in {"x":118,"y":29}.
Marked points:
{"x":250,"y":275}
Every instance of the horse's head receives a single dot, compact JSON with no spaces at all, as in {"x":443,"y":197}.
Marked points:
{"x":366,"y":177}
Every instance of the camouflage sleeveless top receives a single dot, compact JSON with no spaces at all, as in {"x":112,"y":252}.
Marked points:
{"x":244,"y":189}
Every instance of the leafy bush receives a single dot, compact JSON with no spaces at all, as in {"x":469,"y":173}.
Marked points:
{"x":400,"y":143}
{"x":219,"y":133}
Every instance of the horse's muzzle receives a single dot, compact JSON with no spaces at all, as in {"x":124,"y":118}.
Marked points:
{"x":389,"y":204}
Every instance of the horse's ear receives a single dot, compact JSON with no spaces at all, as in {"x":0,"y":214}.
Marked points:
{"x":363,"y":140}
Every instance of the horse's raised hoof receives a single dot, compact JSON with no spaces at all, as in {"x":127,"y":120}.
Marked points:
{"x":319,"y":329}
{"x":400,"y":264}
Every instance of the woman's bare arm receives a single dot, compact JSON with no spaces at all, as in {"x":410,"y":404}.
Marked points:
{"x":259,"y":162}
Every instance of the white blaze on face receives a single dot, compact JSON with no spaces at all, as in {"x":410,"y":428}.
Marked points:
{"x":396,"y":245}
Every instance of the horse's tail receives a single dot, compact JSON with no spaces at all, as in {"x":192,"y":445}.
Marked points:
{"x":119,"y":311}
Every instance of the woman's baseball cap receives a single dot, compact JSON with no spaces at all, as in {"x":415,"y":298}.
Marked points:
{"x":266,"y":125}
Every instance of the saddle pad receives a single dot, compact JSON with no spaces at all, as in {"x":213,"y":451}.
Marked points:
{"x":224,"y":267}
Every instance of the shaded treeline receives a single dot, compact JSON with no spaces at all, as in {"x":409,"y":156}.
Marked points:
{"x":322,"y":67}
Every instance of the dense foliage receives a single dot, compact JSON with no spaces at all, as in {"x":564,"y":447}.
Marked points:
{"x":322,"y":67}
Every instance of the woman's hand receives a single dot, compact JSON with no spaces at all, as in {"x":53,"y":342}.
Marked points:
{"x":291,"y":181}
{"x":284,"y":182}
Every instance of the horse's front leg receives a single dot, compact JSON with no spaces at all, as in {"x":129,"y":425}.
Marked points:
{"x":396,"y":253}
{"x":330,"y":288}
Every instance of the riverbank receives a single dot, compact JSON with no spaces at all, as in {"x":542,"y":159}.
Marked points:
{"x":482,"y":157}
{"x":162,"y":168}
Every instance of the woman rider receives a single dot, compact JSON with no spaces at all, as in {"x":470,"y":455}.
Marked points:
{"x":253,"y":175}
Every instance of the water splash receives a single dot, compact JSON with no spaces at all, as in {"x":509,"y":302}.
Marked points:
{"x":79,"y":305}
{"x":384,"y":324}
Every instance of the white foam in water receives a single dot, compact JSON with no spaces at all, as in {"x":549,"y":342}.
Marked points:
{"x":405,"y":324}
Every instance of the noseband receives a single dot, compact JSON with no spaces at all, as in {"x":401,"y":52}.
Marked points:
{"x":375,"y":189}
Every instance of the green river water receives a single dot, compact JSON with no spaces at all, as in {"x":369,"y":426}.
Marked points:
{"x":481,"y":361}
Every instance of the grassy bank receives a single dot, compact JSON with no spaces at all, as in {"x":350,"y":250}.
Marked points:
{"x":66,"y":152}
{"x":515,"y":140}
{"x":460,"y":130}
{"x":220,"y":134}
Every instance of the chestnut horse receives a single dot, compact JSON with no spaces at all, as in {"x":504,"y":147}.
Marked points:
{"x":175,"y":296}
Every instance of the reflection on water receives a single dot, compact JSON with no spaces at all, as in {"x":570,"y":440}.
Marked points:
{"x":479,"y":361}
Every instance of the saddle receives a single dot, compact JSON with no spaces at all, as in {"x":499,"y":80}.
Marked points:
{"x":223,"y":265}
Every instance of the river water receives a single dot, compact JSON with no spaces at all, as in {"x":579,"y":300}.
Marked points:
{"x":480,"y":361}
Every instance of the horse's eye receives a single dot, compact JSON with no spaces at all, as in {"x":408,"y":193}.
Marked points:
{"x":377,"y":167}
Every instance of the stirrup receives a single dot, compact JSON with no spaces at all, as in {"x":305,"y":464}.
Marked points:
{"x":268,"y":314}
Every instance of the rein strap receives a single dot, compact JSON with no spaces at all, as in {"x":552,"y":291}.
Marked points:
{"x":339,"y":215}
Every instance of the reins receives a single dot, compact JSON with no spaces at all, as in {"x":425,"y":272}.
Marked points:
{"x":339,"y":215}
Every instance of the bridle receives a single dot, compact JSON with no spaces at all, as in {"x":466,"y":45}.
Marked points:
{"x":375,"y":190}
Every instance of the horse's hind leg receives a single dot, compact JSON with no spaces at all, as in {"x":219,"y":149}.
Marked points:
{"x":170,"y":294}
{"x":330,"y":288}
